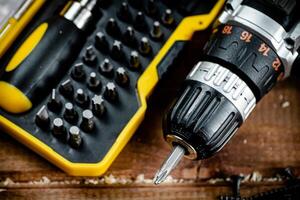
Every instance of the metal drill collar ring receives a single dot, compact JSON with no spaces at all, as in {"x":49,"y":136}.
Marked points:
{"x":227,"y":83}
{"x":192,"y":153}
{"x":265,"y":26}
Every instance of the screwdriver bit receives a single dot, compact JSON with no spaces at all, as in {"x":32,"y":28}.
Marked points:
{"x":81,"y":98}
{"x":93,"y":82}
{"x":113,"y":28}
{"x":101,"y":42}
{"x":156,"y":32}
{"x":169,"y":164}
{"x":42,"y":117}
{"x":70,"y":114}
{"x":87,"y":123}
{"x":129,"y":37}
{"x":98,"y":107}
{"x":58,"y":127}
{"x":78,"y":72}
{"x":122,"y":76}
{"x":145,"y":47}
{"x":66,"y":88}
{"x":124,"y":12}
{"x":167,"y":18}
{"x":117,"y":50}
{"x":106,"y":68}
{"x":140,"y":22}
{"x":54,"y":103}
{"x":110,"y":92}
{"x":75,"y":139}
{"x":90,"y":56}
{"x":134,"y":60}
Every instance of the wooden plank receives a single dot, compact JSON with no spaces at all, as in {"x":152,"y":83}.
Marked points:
{"x":171,"y":192}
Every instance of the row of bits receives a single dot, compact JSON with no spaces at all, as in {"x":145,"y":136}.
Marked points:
{"x":81,"y":97}
{"x":106,"y":69}
{"x":151,"y":8}
{"x":76,"y":119}
{"x":116,"y":48}
{"x":114,"y":30}
{"x":97,"y":103}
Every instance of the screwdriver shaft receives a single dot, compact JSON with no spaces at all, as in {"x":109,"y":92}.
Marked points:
{"x":169,"y":164}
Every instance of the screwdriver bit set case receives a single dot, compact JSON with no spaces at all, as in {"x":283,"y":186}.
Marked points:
{"x":82,"y":121}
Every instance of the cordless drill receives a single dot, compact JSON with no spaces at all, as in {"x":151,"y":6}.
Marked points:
{"x":254,"y":44}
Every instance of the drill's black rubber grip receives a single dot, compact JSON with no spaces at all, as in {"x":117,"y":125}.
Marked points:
{"x":246,"y":55}
{"x":49,"y":60}
{"x":202,"y":117}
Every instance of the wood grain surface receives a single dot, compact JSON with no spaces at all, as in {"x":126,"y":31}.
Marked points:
{"x":266,"y":143}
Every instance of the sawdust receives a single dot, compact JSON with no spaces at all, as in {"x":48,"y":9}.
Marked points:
{"x":110,"y":179}
{"x":43,"y":181}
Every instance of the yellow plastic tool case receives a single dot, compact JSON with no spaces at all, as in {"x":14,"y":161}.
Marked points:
{"x":77,"y":98}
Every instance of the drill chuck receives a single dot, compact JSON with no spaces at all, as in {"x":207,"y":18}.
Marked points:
{"x":213,"y":104}
{"x":242,"y":62}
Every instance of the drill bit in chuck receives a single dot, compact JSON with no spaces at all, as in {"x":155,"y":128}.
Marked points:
{"x":170,"y":163}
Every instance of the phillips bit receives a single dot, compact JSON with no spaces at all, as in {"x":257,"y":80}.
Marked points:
{"x":169,"y":164}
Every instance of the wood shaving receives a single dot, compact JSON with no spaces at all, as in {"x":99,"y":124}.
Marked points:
{"x":216,"y":180}
{"x":256,"y":177}
{"x":285,"y":104}
{"x":7,"y":182}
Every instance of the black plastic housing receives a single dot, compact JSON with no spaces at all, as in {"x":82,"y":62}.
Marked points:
{"x":203,"y":118}
{"x":251,"y":62}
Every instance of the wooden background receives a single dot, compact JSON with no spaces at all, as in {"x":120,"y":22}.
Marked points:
{"x":267,"y":142}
